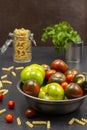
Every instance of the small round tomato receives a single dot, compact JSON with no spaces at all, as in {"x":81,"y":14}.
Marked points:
{"x":9,"y":118}
{"x":1,"y":96}
{"x":46,"y":67}
{"x":11,"y":104}
{"x":69,"y":78}
{"x":30,"y":113}
{"x":64,"y":85}
{"x":49,"y":73}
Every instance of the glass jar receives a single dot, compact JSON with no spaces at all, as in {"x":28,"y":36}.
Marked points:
{"x":22,"y":45}
{"x":22,"y":48}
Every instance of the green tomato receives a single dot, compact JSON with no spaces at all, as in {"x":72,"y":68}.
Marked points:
{"x":52,"y":91}
{"x":29,"y":74}
{"x":36,"y":66}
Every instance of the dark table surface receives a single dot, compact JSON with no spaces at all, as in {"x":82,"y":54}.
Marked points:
{"x":40,"y":55}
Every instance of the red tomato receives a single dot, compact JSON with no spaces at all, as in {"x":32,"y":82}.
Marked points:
{"x":49,"y":73}
{"x":59,"y":65}
{"x":9,"y":118}
{"x":11,"y":104}
{"x":69,"y":78}
{"x":64,"y":85}
{"x":1,"y":96}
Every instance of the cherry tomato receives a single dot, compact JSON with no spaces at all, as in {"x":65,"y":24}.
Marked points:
{"x":64,"y":85}
{"x":1,"y":96}
{"x":11,"y":104}
{"x":30,"y":113}
{"x":69,"y":78}
{"x":9,"y":118}
{"x":49,"y":73}
{"x":46,"y":67}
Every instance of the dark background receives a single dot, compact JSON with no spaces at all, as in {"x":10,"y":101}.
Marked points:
{"x":37,"y":14}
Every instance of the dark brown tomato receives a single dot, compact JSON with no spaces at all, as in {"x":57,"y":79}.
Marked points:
{"x":29,"y":113}
{"x":31,"y":87}
{"x":59,"y":65}
{"x":73,"y":90}
{"x":71,"y":71}
{"x":46,"y":67}
{"x":57,"y":77}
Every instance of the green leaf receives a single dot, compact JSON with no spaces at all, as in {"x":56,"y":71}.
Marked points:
{"x":62,"y":35}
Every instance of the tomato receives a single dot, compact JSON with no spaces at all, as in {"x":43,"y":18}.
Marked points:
{"x":31,"y":87}
{"x":64,"y":85}
{"x":11,"y":104}
{"x":73,"y":91}
{"x":46,"y":67}
{"x":52,"y":91}
{"x":9,"y":118}
{"x":69,"y":77}
{"x":59,"y":65}
{"x":57,"y":77}
{"x":49,"y":73}
{"x":1,"y":96}
{"x":36,"y":67}
{"x":30,"y":113}
{"x":71,"y":71}
{"x":32,"y":74}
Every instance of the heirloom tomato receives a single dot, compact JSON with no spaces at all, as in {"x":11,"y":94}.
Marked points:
{"x":52,"y":91}
{"x":59,"y":65}
{"x":73,"y":90}
{"x":36,"y":66}
{"x":31,"y":87}
{"x":33,"y":72}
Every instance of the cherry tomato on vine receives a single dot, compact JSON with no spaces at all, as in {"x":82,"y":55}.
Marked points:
{"x":11,"y":104}
{"x":1,"y":96}
{"x":9,"y":118}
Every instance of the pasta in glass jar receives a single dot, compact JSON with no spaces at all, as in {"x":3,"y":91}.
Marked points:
{"x":22,"y":45}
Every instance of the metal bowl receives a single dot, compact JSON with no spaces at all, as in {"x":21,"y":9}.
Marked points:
{"x":59,"y":107}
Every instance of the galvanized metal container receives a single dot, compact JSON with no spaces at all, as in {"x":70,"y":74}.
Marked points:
{"x":74,"y":53}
